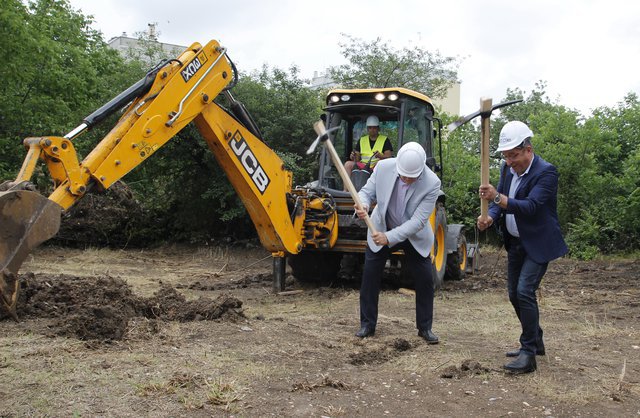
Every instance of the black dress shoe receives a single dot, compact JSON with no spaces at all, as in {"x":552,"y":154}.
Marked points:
{"x":525,"y":363}
{"x":428,"y":336}
{"x":365,"y":332}
{"x":516,"y":353}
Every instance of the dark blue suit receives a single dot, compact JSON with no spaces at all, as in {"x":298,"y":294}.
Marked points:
{"x":534,"y":207}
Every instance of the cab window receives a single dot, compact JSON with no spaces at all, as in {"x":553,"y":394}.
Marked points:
{"x":417,"y":127}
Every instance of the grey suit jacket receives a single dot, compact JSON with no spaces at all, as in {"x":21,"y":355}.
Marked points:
{"x":420,"y":201}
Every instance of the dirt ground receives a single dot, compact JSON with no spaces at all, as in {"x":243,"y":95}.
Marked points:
{"x":200,"y":332}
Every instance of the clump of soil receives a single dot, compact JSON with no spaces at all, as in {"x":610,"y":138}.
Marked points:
{"x":94,"y":323}
{"x":467,"y":368}
{"x":170,"y":305}
{"x":378,"y":355}
{"x":65,"y":295}
{"x":400,"y":344}
{"x":100,"y":308}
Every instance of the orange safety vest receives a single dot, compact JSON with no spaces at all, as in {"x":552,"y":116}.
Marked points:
{"x":366,"y":151}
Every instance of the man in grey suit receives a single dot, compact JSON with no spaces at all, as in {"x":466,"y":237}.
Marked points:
{"x":405,"y":191}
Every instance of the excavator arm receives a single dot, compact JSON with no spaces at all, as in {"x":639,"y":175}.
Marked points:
{"x":159,"y":106}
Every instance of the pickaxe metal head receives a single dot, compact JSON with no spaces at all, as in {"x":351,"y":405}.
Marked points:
{"x":452,"y":126}
{"x":323,"y":135}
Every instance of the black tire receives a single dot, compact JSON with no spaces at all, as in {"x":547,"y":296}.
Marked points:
{"x":439,"y":262}
{"x":315,"y":266}
{"x":457,"y":261}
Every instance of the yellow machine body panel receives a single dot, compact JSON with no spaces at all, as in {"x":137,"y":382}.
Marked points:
{"x":258,"y":176}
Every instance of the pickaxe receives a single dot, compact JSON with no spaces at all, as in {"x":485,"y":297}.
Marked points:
{"x":323,"y":135}
{"x":485,"y":113}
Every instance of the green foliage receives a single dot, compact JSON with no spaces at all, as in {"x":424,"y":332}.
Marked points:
{"x":377,"y":64}
{"x":187,"y":193}
{"x":56,"y":71}
{"x":285,"y":109}
{"x":461,"y":176}
{"x":583,"y":239}
{"x":598,"y":182}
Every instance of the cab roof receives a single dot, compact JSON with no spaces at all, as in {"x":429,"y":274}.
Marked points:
{"x":400,"y":90}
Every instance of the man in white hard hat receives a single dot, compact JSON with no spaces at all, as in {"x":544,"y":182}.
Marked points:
{"x":524,"y":207}
{"x":406,"y":191}
{"x":370,"y":149}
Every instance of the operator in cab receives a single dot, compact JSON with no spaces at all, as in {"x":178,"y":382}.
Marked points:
{"x":370,"y":149}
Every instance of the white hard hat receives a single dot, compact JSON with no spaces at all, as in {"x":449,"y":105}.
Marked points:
{"x":411,"y":160}
{"x":373,"y":121}
{"x":512,"y":135}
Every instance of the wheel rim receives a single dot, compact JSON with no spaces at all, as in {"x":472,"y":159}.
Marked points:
{"x":462,"y":250}
{"x":439,"y":249}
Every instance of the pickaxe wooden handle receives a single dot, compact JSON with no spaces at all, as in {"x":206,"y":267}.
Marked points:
{"x":322,"y":135}
{"x":485,"y":136}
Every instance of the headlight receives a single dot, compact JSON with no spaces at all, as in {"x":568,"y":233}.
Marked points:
{"x":393,"y":96}
{"x":345,"y":97}
{"x":334,"y":99}
{"x":380,"y":96}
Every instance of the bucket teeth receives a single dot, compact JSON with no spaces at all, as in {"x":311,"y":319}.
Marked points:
{"x":26,"y":220}
{"x":9,"y":287}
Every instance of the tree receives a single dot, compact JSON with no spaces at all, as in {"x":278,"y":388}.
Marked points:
{"x":285,"y":109}
{"x":377,"y":64}
{"x":56,"y":71}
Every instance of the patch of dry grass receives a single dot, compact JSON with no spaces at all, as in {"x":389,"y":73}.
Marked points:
{"x":596,"y":326}
{"x":581,"y":390}
{"x":222,"y":393}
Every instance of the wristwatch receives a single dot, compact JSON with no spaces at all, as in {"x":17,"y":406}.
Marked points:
{"x":497,"y":199}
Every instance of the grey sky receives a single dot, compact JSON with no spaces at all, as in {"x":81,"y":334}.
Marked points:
{"x":588,"y":51}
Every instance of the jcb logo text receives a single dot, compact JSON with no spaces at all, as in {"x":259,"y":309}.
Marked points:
{"x":249,"y":162}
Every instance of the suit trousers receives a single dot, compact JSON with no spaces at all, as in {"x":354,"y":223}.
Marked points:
{"x":523,"y":279}
{"x":416,"y":265}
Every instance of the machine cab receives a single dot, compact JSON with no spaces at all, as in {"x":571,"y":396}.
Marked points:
{"x":404,"y":115}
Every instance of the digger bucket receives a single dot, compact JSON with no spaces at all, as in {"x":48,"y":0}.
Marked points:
{"x":26,"y":220}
